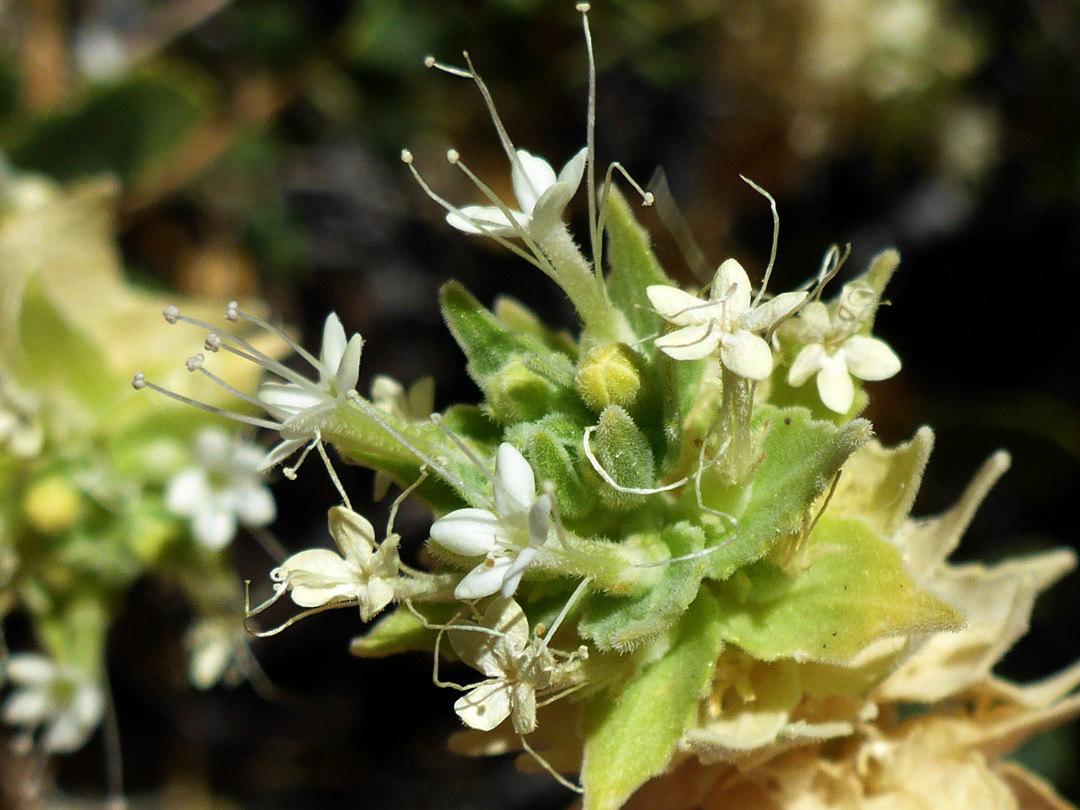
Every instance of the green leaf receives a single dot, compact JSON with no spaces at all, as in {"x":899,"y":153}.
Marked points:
{"x":622,"y":622}
{"x":631,"y":737}
{"x":522,"y":378}
{"x":844,"y":589}
{"x":801,"y":457}
{"x":633,"y":268}
{"x":879,"y":484}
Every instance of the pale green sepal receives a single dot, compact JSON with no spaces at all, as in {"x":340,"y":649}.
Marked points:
{"x":879,"y":484}
{"x":842,"y":590}
{"x":399,"y":630}
{"x":623,"y":623}
{"x":631,"y":737}
{"x":800,"y":459}
{"x":623,"y":452}
{"x":633,"y":269}
{"x":520,"y":319}
{"x":876,"y":277}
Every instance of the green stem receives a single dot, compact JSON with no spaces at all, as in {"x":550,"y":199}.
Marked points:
{"x":584,"y":288}
{"x":736,"y":409}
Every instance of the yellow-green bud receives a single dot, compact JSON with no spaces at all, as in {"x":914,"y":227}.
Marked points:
{"x":608,"y":376}
{"x":52,"y":505}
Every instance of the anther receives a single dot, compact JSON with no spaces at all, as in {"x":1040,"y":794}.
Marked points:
{"x":139,"y":382}
{"x":232,"y":312}
{"x":406,"y":157}
{"x":429,"y":61}
{"x":583,"y":8}
{"x":171,"y":313}
{"x":213,"y":342}
{"x":195,"y":362}
{"x":452,"y":156}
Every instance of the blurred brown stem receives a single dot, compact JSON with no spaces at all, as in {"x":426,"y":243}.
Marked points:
{"x":42,"y":55}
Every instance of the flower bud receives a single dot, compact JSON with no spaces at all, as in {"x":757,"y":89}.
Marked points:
{"x":608,"y":375}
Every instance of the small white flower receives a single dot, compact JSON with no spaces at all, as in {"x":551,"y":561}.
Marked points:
{"x":221,"y":490}
{"x":516,"y":664}
{"x":66,"y":702}
{"x":362,"y":572}
{"x":541,"y":195}
{"x":211,"y":643}
{"x":509,"y":538}
{"x":727,"y":319}
{"x":836,"y":358}
{"x":339,"y":369}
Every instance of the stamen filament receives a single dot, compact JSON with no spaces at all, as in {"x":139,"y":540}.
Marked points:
{"x":775,"y":236}
{"x":140,"y":382}
{"x":595,"y":462}
{"x":281,"y":333}
{"x":436,"y":419}
{"x":234,"y":391}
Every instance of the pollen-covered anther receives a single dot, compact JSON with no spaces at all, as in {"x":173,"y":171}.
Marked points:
{"x":213,"y":342}
{"x":171,"y":313}
{"x":583,"y":8}
{"x":232,"y":312}
{"x":139,"y":381}
{"x":406,"y":157}
{"x":195,"y":363}
{"x":452,"y":156}
{"x":429,"y":61}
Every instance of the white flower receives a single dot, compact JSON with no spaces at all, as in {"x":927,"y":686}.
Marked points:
{"x":21,"y":431}
{"x":516,"y":664}
{"x":290,"y":402}
{"x":412,"y":405}
{"x":211,"y":643}
{"x":362,"y":572}
{"x":541,"y":195}
{"x":727,"y":319}
{"x":835,"y":359}
{"x":221,"y":490}
{"x":509,"y":538}
{"x":66,"y":702}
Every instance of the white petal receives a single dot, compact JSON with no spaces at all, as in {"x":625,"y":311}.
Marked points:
{"x":765,"y":315}
{"x":679,"y":307}
{"x":731,"y":275}
{"x":352,"y":532}
{"x":333,"y":343}
{"x":214,"y":526}
{"x":531,"y":176}
{"x":65,"y":734}
{"x":254,"y":504}
{"x":348,"y":370}
{"x":316,"y":576}
{"x":213,"y":447}
{"x":506,"y":617}
{"x":282,"y":450}
{"x":285,"y":399}
{"x":484,"y":580}
{"x":807,"y":361}
{"x":487,"y":220}
{"x":515,"y":484}
{"x":690,"y":342}
{"x":869,"y":358}
{"x":747,"y":355}
{"x":469,"y":532}
{"x":834,"y":385}
{"x":485,"y":705}
{"x":574,"y":169}
{"x":30,"y":668}
{"x":89,"y":704}
{"x":188,"y":492}
{"x":549,"y":209}
{"x":27,"y":707}
{"x":513,"y":575}
{"x":379,"y":594}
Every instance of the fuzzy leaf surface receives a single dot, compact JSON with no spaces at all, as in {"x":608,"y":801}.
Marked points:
{"x":845,"y":588}
{"x":631,"y":738}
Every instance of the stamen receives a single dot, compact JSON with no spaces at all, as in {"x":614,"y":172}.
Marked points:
{"x":139,"y":382}
{"x":595,"y":462}
{"x":196,"y":364}
{"x":269,"y":327}
{"x":400,"y":499}
{"x":333,"y":473}
{"x":407,"y":159}
{"x":775,"y":236}
{"x":232,"y":312}
{"x":212,"y":342}
{"x":437,"y":420}
{"x":677,"y":226}
{"x":431,"y":62}
{"x":590,"y":143}
{"x":224,"y":339}
{"x":543,"y":763}
{"x":290,"y":472}
{"x":573,"y":600}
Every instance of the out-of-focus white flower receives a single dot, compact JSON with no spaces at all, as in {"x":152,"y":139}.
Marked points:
{"x":727,"y":319}
{"x":835,"y":355}
{"x":541,"y":195}
{"x":362,"y":572}
{"x":509,"y":538}
{"x":222,"y":489}
{"x":65,"y":703}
